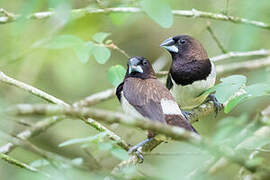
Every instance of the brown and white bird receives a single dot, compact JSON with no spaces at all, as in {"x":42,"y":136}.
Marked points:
{"x":191,"y":72}
{"x":142,"y":95}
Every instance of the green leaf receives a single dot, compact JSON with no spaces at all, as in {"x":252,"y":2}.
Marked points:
{"x":83,"y":140}
{"x":259,"y":89}
{"x":120,"y":153}
{"x":63,"y":41}
{"x":84,"y":51}
{"x":227,"y":88}
{"x":101,"y":54}
{"x":252,"y":91}
{"x":232,"y":103}
{"x":100,"y":36}
{"x":159,"y":11}
{"x":116,"y":74}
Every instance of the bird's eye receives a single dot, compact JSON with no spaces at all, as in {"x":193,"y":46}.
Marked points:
{"x":182,"y":41}
{"x":144,"y":62}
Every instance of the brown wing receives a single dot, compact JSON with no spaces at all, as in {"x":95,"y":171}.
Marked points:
{"x":145,"y":96}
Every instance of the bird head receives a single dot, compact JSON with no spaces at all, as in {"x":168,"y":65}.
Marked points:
{"x":139,"y":67}
{"x":185,"y":46}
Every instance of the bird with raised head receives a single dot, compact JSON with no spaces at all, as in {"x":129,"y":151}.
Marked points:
{"x":141,"y":94}
{"x":191,"y":72}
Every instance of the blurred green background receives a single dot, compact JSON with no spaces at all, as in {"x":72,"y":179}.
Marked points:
{"x":60,"y":73}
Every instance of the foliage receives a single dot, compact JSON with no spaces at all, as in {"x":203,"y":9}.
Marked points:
{"x":44,"y":52}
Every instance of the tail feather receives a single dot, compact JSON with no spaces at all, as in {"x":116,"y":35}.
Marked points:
{"x":177,"y":120}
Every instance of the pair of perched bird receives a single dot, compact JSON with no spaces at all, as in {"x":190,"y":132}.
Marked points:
{"x":191,"y":73}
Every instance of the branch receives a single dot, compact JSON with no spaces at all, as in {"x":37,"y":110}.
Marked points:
{"x":176,"y":133}
{"x":114,"y":47}
{"x":95,"y":98}
{"x":246,"y":65}
{"x":15,"y":162}
{"x":38,"y":128}
{"x":261,"y":52}
{"x":184,"y":13}
{"x":4,"y":78}
{"x":11,"y":81}
{"x":221,"y":47}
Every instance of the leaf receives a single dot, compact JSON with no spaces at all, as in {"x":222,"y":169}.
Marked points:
{"x":116,"y":75}
{"x":83,"y":140}
{"x":251,"y":91}
{"x":84,"y":51}
{"x":227,"y":88}
{"x":120,"y":154}
{"x":259,"y":89}
{"x":100,"y":36}
{"x":232,"y":103}
{"x":63,"y":41}
{"x":159,"y":11}
{"x":101,"y":54}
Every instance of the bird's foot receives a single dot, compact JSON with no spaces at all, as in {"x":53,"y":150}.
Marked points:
{"x":218,"y":105}
{"x":137,"y":149}
{"x":187,"y":114}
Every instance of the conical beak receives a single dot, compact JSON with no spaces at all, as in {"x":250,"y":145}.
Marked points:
{"x":170,"y":45}
{"x":133,"y":66}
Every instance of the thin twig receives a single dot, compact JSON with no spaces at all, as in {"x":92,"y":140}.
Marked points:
{"x":115,"y":47}
{"x":11,"y":81}
{"x":35,"y":130}
{"x":246,"y":65}
{"x":15,"y":162}
{"x":221,"y":47}
{"x":184,"y":13}
{"x":95,"y":98}
{"x":226,"y":11}
{"x":261,"y":52}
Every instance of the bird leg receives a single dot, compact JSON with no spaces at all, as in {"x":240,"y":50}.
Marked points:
{"x":137,"y":149}
{"x":187,"y":114}
{"x":218,"y":105}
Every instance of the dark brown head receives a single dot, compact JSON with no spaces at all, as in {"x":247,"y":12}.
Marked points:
{"x":139,"y":67}
{"x":185,"y":47}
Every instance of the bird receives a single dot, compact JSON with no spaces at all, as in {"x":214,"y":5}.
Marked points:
{"x":191,"y":73}
{"x":142,"y":95}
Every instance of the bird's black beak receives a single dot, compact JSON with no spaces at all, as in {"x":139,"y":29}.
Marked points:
{"x":170,"y":45}
{"x":133,"y":65}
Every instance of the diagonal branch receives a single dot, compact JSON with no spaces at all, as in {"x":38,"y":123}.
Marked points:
{"x":15,"y":162}
{"x":183,"y":13}
{"x":11,"y":81}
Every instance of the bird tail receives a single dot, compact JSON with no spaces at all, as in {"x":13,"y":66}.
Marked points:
{"x":180,"y":121}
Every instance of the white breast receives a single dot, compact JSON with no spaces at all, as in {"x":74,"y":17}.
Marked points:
{"x":188,"y":97}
